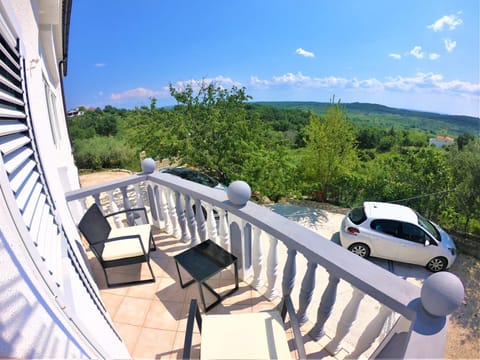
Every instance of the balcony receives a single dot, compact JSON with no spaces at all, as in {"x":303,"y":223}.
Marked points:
{"x":348,"y":307}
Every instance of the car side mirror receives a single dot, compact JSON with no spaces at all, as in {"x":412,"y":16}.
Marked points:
{"x":427,"y":242}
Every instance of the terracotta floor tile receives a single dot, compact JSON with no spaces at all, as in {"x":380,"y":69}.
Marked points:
{"x":143,"y":291}
{"x":132,"y":311}
{"x":112,"y":302}
{"x":170,"y":290}
{"x":164,"y":315}
{"x":177,"y":351}
{"x":129,"y":334}
{"x":154,"y":344}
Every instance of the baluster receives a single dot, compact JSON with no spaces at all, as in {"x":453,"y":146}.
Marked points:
{"x":153,"y":206}
{"x":127,"y":205}
{"x":325,"y":308}
{"x":192,"y":225}
{"x":289,"y":272}
{"x":257,"y":258}
{"x":164,"y":210}
{"x":371,"y":332}
{"x":114,"y":208}
{"x":223,"y":229}
{"x":211,"y":223}
{"x":272,"y":269}
{"x":306,"y":292}
{"x":140,"y":203}
{"x":345,"y":323}
{"x":182,"y":219}
{"x":98,"y":202}
{"x":169,"y":194}
{"x":200,"y":218}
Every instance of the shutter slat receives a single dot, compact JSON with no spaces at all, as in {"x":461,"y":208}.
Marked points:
{"x":9,"y":127}
{"x":42,"y":228}
{"x":26,"y":190}
{"x":37,"y":216}
{"x":32,"y":204}
{"x":10,"y":85}
{"x":9,"y":70}
{"x":18,"y":178}
{"x":8,"y":97}
{"x":10,"y":143}
{"x":14,"y":160}
{"x":15,"y":61}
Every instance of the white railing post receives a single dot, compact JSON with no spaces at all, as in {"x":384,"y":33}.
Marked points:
{"x":192,"y":224}
{"x":306,"y":292}
{"x":223,"y":229}
{"x":211,"y":223}
{"x":325,"y":307}
{"x":345,"y":323}
{"x":257,"y":258}
{"x":272,"y":268}
{"x":182,"y":219}
{"x":200,"y":218}
{"x":289,"y":272}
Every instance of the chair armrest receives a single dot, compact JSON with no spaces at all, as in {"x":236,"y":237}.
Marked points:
{"x":129,"y":211}
{"x":193,"y":313}
{"x":287,"y":306}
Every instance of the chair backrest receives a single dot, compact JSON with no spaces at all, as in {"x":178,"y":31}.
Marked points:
{"x":94,"y":226}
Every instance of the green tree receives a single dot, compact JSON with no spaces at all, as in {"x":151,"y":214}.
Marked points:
{"x":330,"y":151}
{"x":466,"y":172}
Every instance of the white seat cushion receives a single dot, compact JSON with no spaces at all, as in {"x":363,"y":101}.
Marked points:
{"x":244,"y":336}
{"x":121,"y":249}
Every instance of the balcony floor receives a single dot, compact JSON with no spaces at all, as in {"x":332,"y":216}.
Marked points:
{"x":151,"y":318}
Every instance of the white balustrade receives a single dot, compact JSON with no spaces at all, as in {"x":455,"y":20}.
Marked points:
{"x":345,"y":323}
{"x":257,"y":258}
{"x":272,"y":269}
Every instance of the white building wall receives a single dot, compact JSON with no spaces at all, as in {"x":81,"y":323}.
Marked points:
{"x":38,"y":320}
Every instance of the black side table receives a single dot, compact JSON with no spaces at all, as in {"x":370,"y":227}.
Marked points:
{"x":202,"y":262}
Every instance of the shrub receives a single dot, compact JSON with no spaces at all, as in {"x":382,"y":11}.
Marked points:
{"x":102,"y":152}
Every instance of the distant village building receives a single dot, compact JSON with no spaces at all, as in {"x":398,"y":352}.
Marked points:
{"x":441,"y":141}
{"x":75,"y":112}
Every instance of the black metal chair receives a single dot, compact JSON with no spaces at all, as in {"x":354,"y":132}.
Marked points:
{"x":118,"y":246}
{"x":258,"y":335}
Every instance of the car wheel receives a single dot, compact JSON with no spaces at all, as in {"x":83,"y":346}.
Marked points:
{"x":437,"y":264}
{"x":360,"y":249}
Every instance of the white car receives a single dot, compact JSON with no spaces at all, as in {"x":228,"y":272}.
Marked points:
{"x":396,"y":232}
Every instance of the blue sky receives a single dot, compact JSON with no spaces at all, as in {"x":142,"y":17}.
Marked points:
{"x":410,"y":54}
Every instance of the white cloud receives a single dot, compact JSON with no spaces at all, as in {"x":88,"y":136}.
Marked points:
{"x":221,"y":81}
{"x":450,"y":45}
{"x":395,"y":56}
{"x":417,"y":52}
{"x":452,"y":21}
{"x":98,"y":65}
{"x":305,"y":53}
{"x":134,"y":93}
{"x":433,"y":56}
{"x":429,"y":82}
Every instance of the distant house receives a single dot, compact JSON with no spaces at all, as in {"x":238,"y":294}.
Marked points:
{"x":441,"y":141}
{"x":75,"y":112}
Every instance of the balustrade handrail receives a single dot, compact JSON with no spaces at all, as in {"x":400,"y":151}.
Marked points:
{"x":387,"y":288}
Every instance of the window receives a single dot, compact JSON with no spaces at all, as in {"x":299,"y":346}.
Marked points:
{"x":413,"y":233}
{"x":52,"y":113}
{"x":357,"y":215}
{"x":389,"y":227}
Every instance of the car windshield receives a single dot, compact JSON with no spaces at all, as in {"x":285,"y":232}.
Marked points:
{"x":193,"y":175}
{"x":427,"y":225}
{"x":357,"y":215}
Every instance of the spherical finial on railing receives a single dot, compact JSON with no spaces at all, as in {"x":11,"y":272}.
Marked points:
{"x":148,"y":165}
{"x":239,"y":192}
{"x":442,"y":293}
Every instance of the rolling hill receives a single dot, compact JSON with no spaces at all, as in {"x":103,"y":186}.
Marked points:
{"x":375,"y":115}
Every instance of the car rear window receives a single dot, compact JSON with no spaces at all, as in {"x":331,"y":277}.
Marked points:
{"x":357,"y":215}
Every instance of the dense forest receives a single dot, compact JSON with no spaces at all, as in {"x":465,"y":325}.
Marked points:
{"x":342,"y":154}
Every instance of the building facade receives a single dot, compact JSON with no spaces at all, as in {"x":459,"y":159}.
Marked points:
{"x":50,"y":304}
